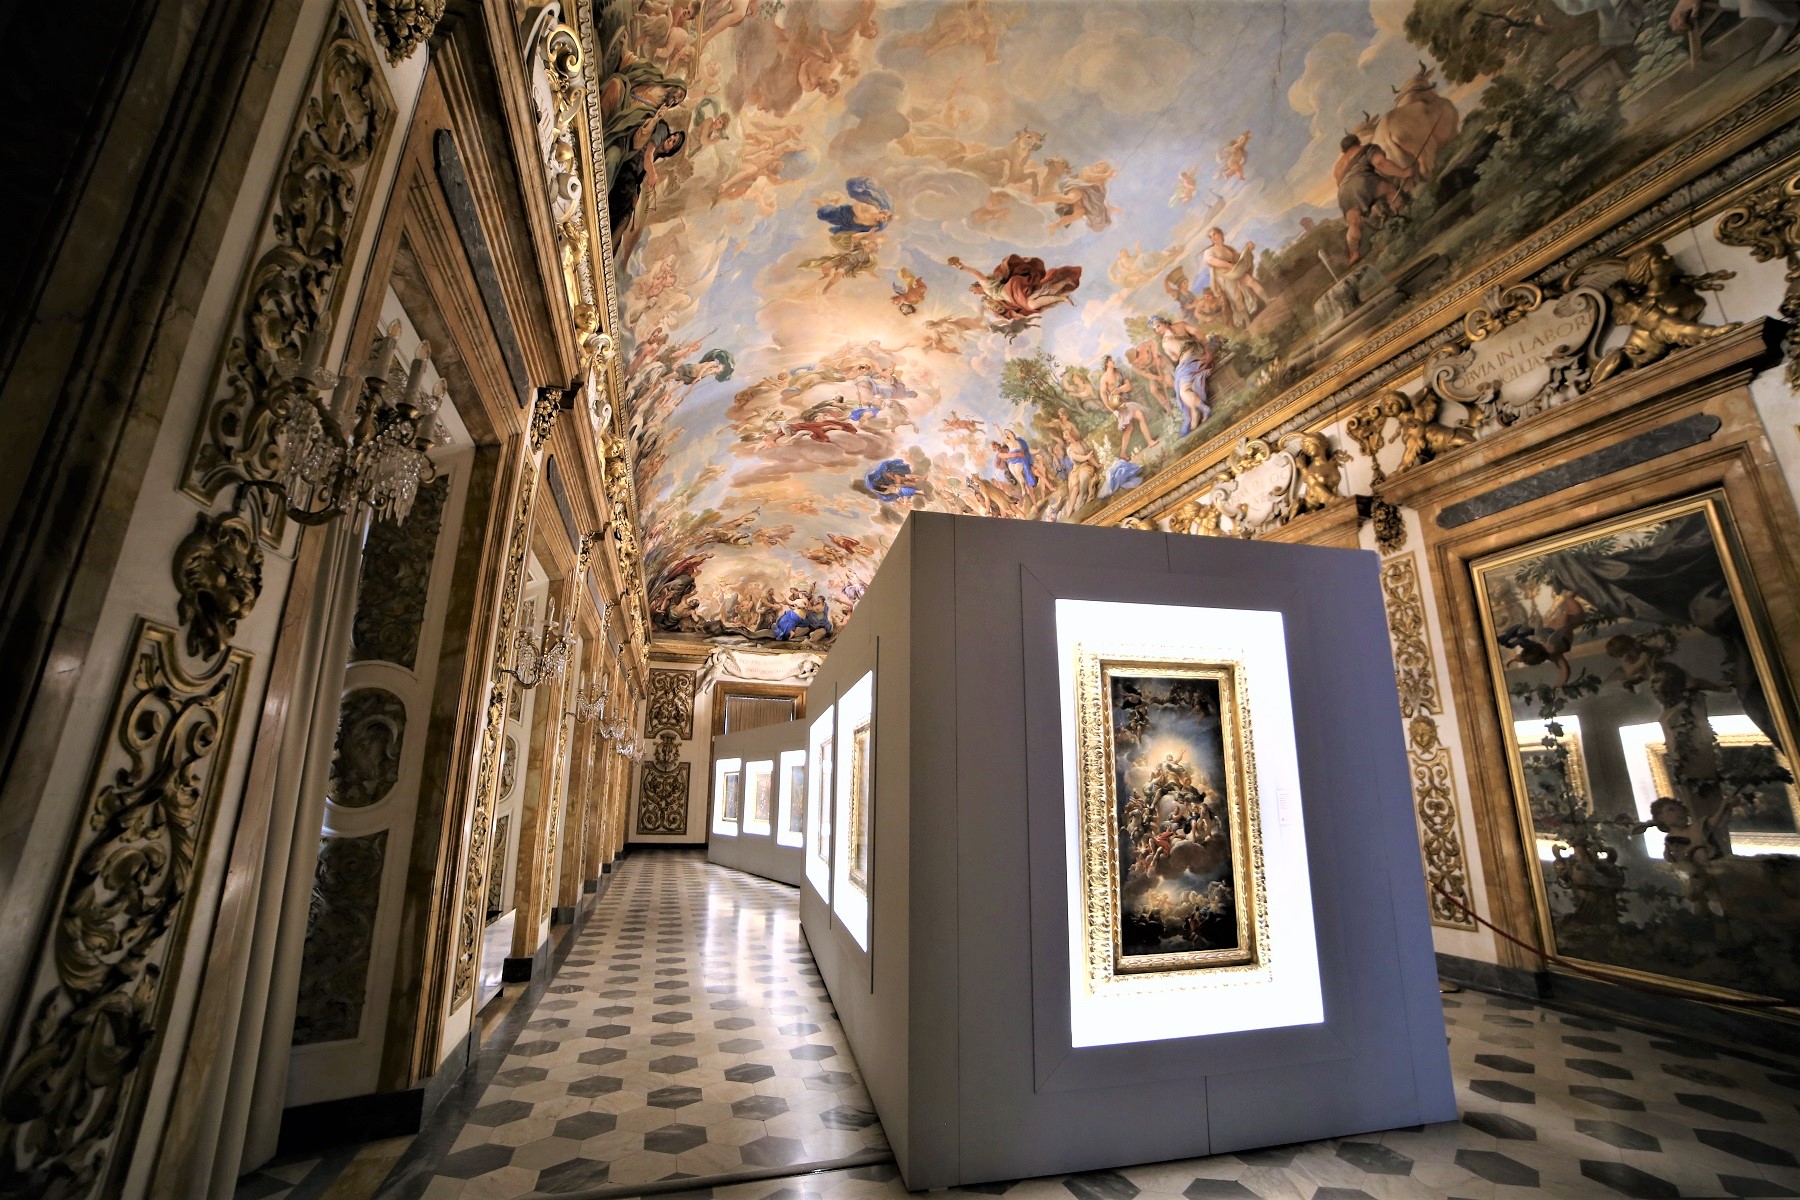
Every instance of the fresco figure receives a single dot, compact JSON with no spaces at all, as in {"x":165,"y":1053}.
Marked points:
{"x":1193,"y":359}
{"x":1082,"y":472}
{"x":634,"y":174}
{"x":892,"y":480}
{"x":1080,"y":195}
{"x":1015,"y":461}
{"x":1234,"y":157}
{"x":908,"y":293}
{"x":1020,"y":290}
{"x":1187,"y":182}
{"x":1115,"y":394}
{"x":1368,"y":189}
{"x":1234,"y":273}
{"x":866,"y":211}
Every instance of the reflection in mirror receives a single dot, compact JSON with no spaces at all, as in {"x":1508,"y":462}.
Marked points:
{"x":1651,"y":753}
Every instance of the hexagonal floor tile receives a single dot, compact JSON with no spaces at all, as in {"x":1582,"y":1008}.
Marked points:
{"x":740,"y":1046}
{"x":676,"y":1096}
{"x":608,"y":1032}
{"x":749,"y":1073}
{"x":813,"y":1052}
{"x":576,"y":1175}
{"x":846,"y":1117}
{"x":734,"y":1023}
{"x":519,"y":1076}
{"x":595,"y":1085}
{"x":1495,"y":1167}
{"x":476,"y":1160}
{"x":672,"y":1018}
{"x":600,"y":1056}
{"x":674,"y":1139}
{"x":1629,"y":1180}
{"x":500,"y":1113}
{"x":582,"y":1126}
{"x":673,"y":1064}
{"x":758,"y":1108}
{"x":1746,"y":1148}
{"x":672,"y":1039}
{"x":1101,"y":1185}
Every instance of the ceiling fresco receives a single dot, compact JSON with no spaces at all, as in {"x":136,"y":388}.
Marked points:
{"x":1008,"y":258}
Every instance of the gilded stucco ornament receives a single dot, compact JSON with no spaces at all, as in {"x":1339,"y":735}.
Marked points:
{"x":1318,"y":473}
{"x":1417,"y":428}
{"x":218,"y":576}
{"x":88,"y":1049}
{"x":1659,"y":301}
{"x":1767,"y":223}
{"x":402,"y":26}
{"x":1433,"y":780}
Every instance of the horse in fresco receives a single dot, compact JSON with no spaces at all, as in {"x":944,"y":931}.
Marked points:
{"x":1415,"y":129}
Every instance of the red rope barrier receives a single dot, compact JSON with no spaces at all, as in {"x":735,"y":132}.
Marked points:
{"x":1573,"y":968}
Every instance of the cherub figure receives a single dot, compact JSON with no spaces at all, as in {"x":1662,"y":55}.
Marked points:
{"x":1234,"y":157}
{"x":908,"y":293}
{"x":1660,"y":302}
{"x":1186,"y":184}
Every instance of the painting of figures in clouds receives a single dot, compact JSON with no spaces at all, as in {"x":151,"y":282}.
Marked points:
{"x":1010,"y":257}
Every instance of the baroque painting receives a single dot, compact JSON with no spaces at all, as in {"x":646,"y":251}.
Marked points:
{"x":1010,"y":258}
{"x":762,"y":794}
{"x":1172,"y":875}
{"x":797,"y":790}
{"x":1644,"y":622}
{"x":824,"y":801}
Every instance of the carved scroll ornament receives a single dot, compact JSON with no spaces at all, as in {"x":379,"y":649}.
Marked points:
{"x":402,"y":26}
{"x":1767,"y":223}
{"x":91,"y":1040}
{"x":296,"y":284}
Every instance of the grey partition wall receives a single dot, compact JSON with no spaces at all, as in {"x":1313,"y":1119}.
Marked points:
{"x":768,"y":848}
{"x":964,"y":996}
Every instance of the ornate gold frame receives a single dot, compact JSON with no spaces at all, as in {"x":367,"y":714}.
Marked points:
{"x":856,"y":845}
{"x":1715,"y":503}
{"x":1097,"y":799}
{"x":762,"y":793}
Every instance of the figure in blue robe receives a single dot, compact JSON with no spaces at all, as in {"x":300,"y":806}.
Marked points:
{"x":1017,"y":456}
{"x":868,"y":210}
{"x":893,"y":479}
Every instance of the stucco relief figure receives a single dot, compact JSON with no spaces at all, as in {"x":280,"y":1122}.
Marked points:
{"x":1659,"y":301}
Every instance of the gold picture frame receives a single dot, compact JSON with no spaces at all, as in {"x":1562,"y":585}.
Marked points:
{"x":1528,"y":637}
{"x":861,"y":785}
{"x":1195,"y":810}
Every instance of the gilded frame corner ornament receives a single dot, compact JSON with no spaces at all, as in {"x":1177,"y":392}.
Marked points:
{"x":1097,"y":811}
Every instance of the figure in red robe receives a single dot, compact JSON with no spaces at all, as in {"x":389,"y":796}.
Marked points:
{"x":1018,"y":292}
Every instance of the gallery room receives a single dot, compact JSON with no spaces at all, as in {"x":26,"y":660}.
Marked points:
{"x":827,"y":599}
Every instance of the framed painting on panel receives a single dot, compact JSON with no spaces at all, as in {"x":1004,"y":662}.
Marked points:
{"x":732,"y":801}
{"x":1645,"y":631}
{"x":822,"y":825}
{"x":797,"y":790}
{"x":1172,"y":874}
{"x":861,"y":792}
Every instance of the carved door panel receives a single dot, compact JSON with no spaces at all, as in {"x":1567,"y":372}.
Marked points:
{"x":371,"y":802}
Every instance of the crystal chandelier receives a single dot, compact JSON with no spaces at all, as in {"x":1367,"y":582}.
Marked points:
{"x":381,"y":460}
{"x":542,"y":656}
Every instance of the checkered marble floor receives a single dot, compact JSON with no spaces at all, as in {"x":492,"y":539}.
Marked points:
{"x":687,"y":1034}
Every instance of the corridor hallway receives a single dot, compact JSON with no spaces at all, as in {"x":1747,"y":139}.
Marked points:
{"x":685,"y":1033}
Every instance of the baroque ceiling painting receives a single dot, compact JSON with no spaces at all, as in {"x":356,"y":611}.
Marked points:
{"x":1010,"y":258}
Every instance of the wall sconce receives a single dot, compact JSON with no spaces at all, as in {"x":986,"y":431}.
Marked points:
{"x":380,"y":461}
{"x":590,"y":703}
{"x":541,"y":657}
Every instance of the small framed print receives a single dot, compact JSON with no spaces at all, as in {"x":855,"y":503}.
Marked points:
{"x":732,"y":802}
{"x":1172,"y":869}
{"x":822,"y":826}
{"x":861,"y":793}
{"x":797,"y":794}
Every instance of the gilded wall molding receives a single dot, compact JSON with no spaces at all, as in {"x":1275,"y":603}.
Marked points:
{"x":73,"y":1094}
{"x":1433,"y":782}
{"x":296,"y":285}
{"x":1767,"y":223}
{"x":663,"y":794}
{"x":671,"y":703}
{"x":473,"y":917}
